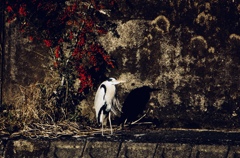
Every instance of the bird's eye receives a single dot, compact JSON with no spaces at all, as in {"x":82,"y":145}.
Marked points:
{"x":110,"y":79}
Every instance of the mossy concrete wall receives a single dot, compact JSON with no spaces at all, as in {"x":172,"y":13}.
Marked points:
{"x":189,"y":49}
{"x":25,"y":63}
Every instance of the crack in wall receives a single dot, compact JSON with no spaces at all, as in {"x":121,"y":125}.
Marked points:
{"x":119,"y":149}
{"x":155,"y":150}
{"x":84,"y":147}
{"x":227,"y":153}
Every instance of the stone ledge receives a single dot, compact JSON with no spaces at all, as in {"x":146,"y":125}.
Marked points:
{"x":135,"y":145}
{"x":90,"y":149}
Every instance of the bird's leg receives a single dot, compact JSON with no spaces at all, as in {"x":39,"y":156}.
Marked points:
{"x":110,"y":123}
{"x":102,"y":122}
{"x":102,"y":129}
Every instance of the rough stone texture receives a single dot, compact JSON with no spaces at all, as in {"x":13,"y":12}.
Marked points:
{"x":202,"y":151}
{"x":105,"y":147}
{"x":234,"y":152}
{"x":131,"y":150}
{"x":66,"y":149}
{"x":189,"y":49}
{"x":26,"y":148}
{"x":101,"y":149}
{"x":168,"y":150}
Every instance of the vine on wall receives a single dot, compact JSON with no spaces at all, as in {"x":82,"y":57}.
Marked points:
{"x":70,"y":29}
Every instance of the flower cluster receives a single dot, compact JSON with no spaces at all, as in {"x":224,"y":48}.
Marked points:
{"x":85,"y":79}
{"x":70,"y":28}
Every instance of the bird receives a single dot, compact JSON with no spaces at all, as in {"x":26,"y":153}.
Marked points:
{"x":135,"y":103}
{"x":105,"y":100}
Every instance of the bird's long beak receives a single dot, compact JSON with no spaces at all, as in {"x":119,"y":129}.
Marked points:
{"x":119,"y":81}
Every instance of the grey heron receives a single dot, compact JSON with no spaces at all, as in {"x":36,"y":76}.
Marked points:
{"x":104,"y":101}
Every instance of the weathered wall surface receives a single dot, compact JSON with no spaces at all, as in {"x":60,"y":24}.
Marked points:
{"x":189,"y":49}
{"x":25,"y":63}
{"x":113,"y":147}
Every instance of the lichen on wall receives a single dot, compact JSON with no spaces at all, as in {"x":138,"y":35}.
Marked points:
{"x":131,"y":31}
{"x":191,"y":55}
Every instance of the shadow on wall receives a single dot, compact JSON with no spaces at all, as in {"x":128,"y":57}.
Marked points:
{"x":135,"y":103}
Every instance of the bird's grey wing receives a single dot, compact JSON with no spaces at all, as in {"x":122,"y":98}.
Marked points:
{"x":116,"y":106}
{"x":113,"y":110}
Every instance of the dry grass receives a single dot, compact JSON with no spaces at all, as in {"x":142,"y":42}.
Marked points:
{"x":63,"y":128}
{"x":32,"y":111}
{"x":32,"y":103}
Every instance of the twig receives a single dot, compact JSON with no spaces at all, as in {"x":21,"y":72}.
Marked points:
{"x":138,"y":119}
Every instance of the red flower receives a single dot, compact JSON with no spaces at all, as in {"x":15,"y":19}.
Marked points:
{"x":101,"y":31}
{"x":93,"y":60}
{"x":71,"y":35}
{"x":75,"y":52}
{"x":47,"y":43}
{"x":57,"y":54}
{"x":107,"y":59}
{"x":60,"y":41}
{"x":55,"y":64}
{"x":22,"y":11}
{"x":112,"y":3}
{"x":97,"y":69}
{"x":74,"y":7}
{"x":9,"y":9}
{"x":98,"y":49}
{"x":81,"y":41}
{"x":30,"y":38}
{"x":89,"y":24}
{"x":39,"y":5}
{"x":22,"y":30}
{"x":85,"y":78}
